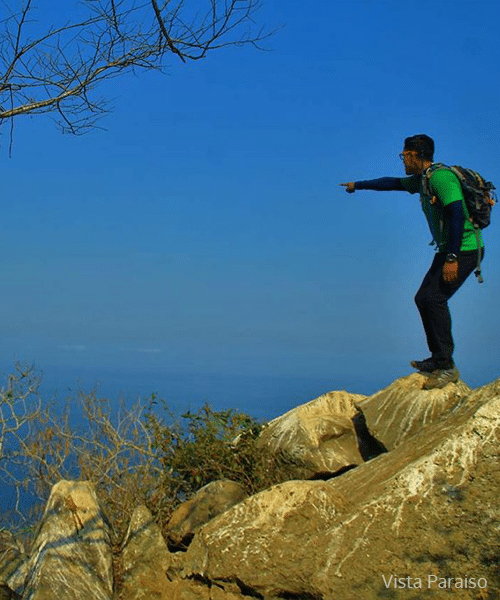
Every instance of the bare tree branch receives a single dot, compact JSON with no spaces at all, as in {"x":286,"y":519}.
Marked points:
{"x":49,"y":67}
{"x":164,"y":32}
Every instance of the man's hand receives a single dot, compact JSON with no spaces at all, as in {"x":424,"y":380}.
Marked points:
{"x":450,"y":271}
{"x":349,"y":187}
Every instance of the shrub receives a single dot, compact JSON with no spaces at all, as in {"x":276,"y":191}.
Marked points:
{"x":206,"y":446}
{"x":143,"y":454}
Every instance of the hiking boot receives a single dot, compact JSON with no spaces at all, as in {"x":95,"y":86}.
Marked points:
{"x":424,"y":366}
{"x":441,"y":377}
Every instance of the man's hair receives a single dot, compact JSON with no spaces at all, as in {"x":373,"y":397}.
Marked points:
{"x":422,"y":144}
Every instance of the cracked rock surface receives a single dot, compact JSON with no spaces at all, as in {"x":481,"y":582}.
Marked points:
{"x":419,"y":520}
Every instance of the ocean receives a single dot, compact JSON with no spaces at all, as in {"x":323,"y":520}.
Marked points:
{"x":262,"y":396}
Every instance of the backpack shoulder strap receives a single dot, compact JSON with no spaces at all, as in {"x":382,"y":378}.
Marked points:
{"x":427,"y":174}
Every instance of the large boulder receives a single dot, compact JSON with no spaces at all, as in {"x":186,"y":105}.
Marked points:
{"x":145,"y":559}
{"x":400,"y":410}
{"x":320,"y":435}
{"x":211,"y":500}
{"x":71,"y":556}
{"x":427,"y":511}
{"x":148,"y":568}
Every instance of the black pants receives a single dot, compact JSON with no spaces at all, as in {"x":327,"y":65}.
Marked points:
{"x":432,"y":302}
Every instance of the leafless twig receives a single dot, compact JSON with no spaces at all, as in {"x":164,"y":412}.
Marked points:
{"x":48,"y":67}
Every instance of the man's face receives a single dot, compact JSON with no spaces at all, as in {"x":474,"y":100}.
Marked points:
{"x":413,"y":164}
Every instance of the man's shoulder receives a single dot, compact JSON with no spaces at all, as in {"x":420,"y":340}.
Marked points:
{"x":440,"y":173}
{"x":444,"y":183}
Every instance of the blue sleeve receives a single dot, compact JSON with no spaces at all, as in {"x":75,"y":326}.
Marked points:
{"x":384,"y":184}
{"x":454,"y":214}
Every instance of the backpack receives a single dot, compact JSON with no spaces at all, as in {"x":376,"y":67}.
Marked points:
{"x":478,"y":195}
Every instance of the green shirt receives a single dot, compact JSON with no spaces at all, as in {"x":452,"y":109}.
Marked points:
{"x":445,"y":187}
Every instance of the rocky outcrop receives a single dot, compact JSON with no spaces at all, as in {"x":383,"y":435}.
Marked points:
{"x":400,"y":410}
{"x":145,"y":559}
{"x":424,"y":510}
{"x":211,"y":500}
{"x":338,"y":430}
{"x":71,"y":557}
{"x":419,"y":520}
{"x":320,"y":435}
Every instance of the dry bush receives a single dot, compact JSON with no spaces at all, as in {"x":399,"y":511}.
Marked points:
{"x":138,"y":455}
{"x":21,"y":410}
{"x":114,"y":451}
{"x":40,"y":445}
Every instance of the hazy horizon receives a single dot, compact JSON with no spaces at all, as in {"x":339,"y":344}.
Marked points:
{"x":205,"y":232}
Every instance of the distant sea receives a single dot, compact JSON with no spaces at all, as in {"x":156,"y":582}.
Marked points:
{"x":262,"y":396}
{"x":262,"y":393}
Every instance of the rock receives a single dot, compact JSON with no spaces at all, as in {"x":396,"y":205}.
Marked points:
{"x":71,"y":554}
{"x":145,"y":559}
{"x":198,"y":590}
{"x":259,"y":541}
{"x":147,"y":566}
{"x":7,"y":594}
{"x":403,"y":408}
{"x":426,"y":509}
{"x":424,"y":513}
{"x":320,"y":434}
{"x":13,"y":567}
{"x":210,"y":501}
{"x":185,"y":590}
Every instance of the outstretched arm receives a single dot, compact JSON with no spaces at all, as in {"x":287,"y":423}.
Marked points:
{"x":383,"y":184}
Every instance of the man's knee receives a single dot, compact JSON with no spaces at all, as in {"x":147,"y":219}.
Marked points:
{"x":421,"y":299}
{"x":430,"y":298}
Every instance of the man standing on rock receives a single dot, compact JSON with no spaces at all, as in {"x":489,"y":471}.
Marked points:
{"x":457,"y":249}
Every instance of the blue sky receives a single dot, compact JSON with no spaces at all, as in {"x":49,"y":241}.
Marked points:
{"x":205,"y":232}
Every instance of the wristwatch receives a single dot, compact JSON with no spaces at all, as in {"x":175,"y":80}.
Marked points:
{"x":451,"y":258}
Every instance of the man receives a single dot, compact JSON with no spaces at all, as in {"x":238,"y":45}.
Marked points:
{"x":457,"y":249}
